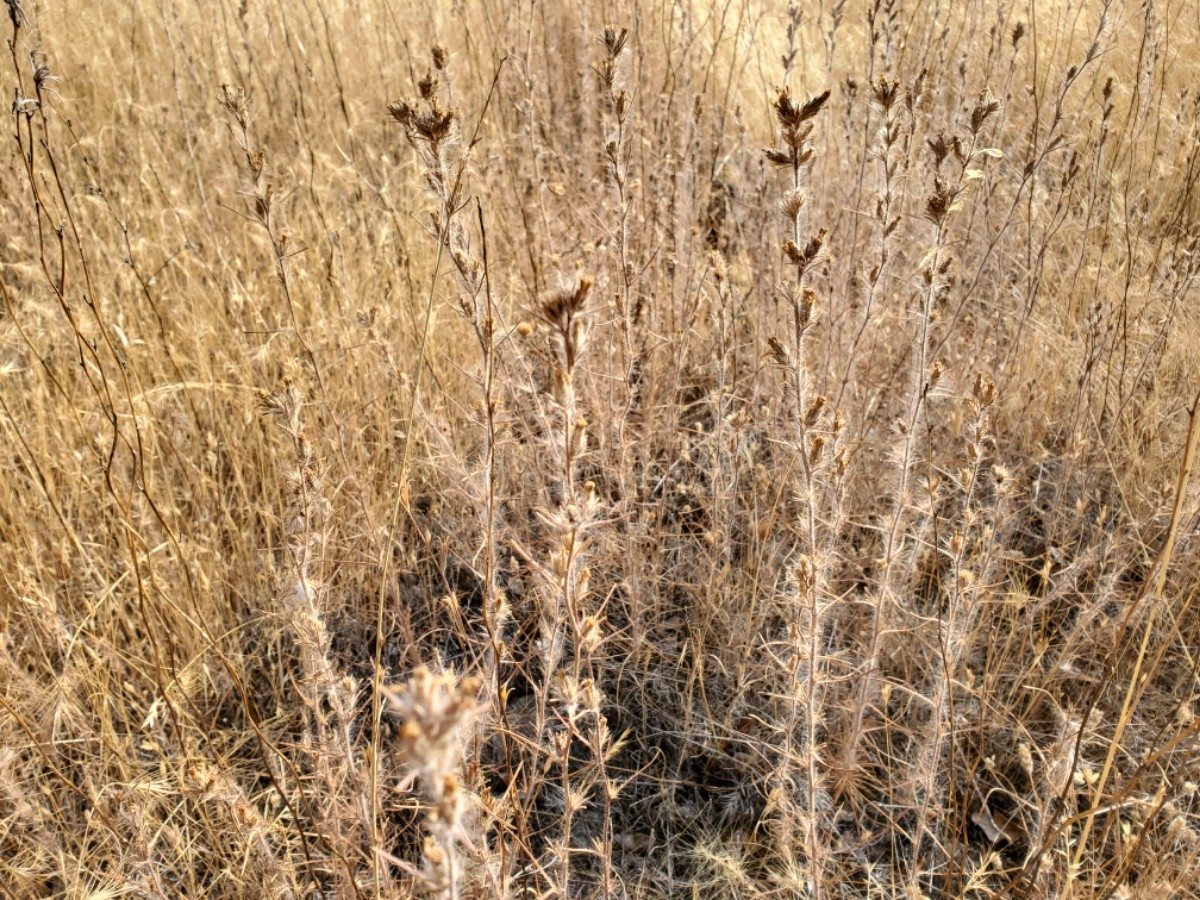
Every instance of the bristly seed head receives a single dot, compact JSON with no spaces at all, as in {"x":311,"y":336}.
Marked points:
{"x":783,"y":356}
{"x":792,"y":203}
{"x":985,"y":107}
{"x":15,"y":13}
{"x":802,"y":259}
{"x":814,"y":410}
{"x":42,"y":76}
{"x":428,"y":87}
{"x":797,"y":127}
{"x":425,"y":121}
{"x":942,"y":146}
{"x":940,"y":203}
{"x":565,"y":314}
{"x":983,"y":390}
{"x":614,"y":40}
{"x":885,"y":91}
{"x":936,"y":370}
{"x":234,"y":100}
{"x":562,"y":309}
{"x":792,"y":116}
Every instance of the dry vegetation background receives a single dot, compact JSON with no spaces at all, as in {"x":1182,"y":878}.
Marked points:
{"x":442,"y":453}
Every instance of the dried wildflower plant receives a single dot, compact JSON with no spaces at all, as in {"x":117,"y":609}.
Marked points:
{"x":434,"y":132}
{"x":814,"y":437}
{"x":329,"y":695}
{"x":431,"y":744}
{"x":570,"y":618}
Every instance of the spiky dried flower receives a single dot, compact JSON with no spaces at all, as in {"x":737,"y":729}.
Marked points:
{"x":792,"y":116}
{"x":983,"y":390}
{"x":620,"y":103}
{"x":565,"y":314}
{"x":614,"y":40}
{"x":795,"y":121}
{"x":803,"y":307}
{"x":936,"y":370}
{"x":427,"y":87}
{"x":792,"y":203}
{"x":614,"y":44}
{"x":985,"y":107}
{"x":783,"y":356}
{"x":435,"y":709}
{"x":561,"y":310}
{"x":885,"y":92}
{"x":816,"y":449}
{"x":233,"y":99}
{"x":942,"y":146}
{"x":805,"y":574}
{"x":283,"y":404}
{"x":428,"y":122}
{"x":779,"y":158}
{"x":15,"y":13}
{"x":940,"y":203}
{"x":813,"y":412}
{"x":803,"y":258}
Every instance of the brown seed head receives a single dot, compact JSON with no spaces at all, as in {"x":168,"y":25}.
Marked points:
{"x":885,"y":91}
{"x":985,"y":107}
{"x":428,"y":86}
{"x":792,"y":116}
{"x":613,"y":40}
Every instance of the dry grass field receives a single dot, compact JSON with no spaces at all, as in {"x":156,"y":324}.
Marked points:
{"x":650,"y":449}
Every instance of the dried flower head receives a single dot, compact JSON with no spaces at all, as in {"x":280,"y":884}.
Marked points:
{"x":565,"y":314}
{"x":427,"y":87}
{"x":783,"y":356}
{"x":614,"y":40}
{"x":233,"y":99}
{"x":795,"y":122}
{"x":985,"y":107}
{"x":813,"y":412}
{"x":983,"y":390}
{"x":435,"y":709}
{"x":941,"y":202}
{"x":942,"y":146}
{"x":793,"y":201}
{"x":803,"y":258}
{"x":15,"y":13}
{"x":425,"y":120}
{"x":42,"y":76}
{"x":791,"y":116}
{"x":885,"y":91}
